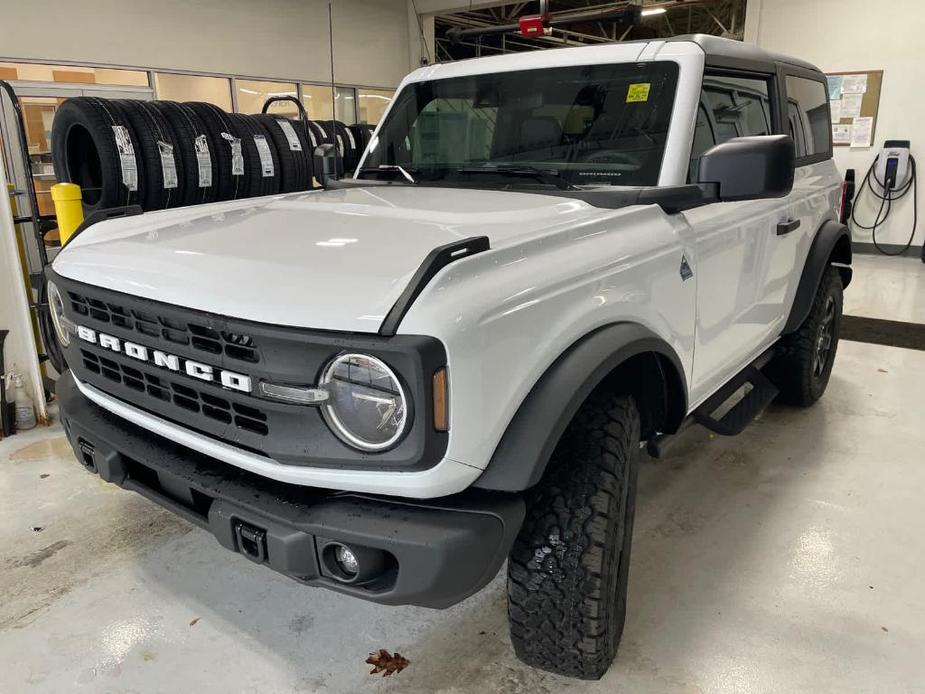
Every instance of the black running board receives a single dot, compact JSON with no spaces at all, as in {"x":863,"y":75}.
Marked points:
{"x":741,"y":414}
{"x":737,"y":418}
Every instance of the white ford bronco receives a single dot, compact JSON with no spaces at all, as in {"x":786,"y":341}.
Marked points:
{"x":544,"y":260}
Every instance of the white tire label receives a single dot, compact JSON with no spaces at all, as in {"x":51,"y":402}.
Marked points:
{"x":237,"y":156}
{"x":311,"y":135}
{"x":289,"y":132}
{"x":168,"y":165}
{"x":127,"y":160}
{"x":340,"y":145}
{"x":353,"y":143}
{"x":266,"y":158}
{"x":203,"y":161}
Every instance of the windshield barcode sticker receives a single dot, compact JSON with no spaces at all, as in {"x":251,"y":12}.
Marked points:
{"x":266,"y":159}
{"x":237,"y":156}
{"x":126,"y":157}
{"x":289,"y":132}
{"x":168,"y":165}
{"x":203,"y":161}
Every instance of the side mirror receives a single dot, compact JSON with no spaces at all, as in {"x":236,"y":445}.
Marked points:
{"x":749,"y":168}
{"x":326,"y":155}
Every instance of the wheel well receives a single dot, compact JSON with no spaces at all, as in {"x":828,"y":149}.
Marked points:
{"x":623,"y":357}
{"x":654,"y":383}
{"x":841,"y":253}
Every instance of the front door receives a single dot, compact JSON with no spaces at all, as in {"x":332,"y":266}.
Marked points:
{"x":737,"y":297}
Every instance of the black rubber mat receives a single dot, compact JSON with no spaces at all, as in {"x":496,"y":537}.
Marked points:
{"x":877,"y":331}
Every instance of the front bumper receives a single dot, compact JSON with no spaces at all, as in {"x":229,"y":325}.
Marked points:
{"x":435,"y":552}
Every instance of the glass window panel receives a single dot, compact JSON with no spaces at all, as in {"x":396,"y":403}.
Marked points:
{"x":345,"y":105}
{"x":596,"y":123}
{"x":173,"y":87}
{"x":808,"y":109}
{"x":318,"y":101}
{"x":252,"y":94}
{"x":72,"y":73}
{"x":372,"y":103}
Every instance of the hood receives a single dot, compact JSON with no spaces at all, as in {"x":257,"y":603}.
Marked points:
{"x":333,"y":260}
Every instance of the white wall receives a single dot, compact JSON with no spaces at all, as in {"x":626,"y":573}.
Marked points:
{"x":286,"y":39}
{"x":843,"y":35}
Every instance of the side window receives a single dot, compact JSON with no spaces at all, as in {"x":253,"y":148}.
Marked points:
{"x":703,"y":140}
{"x":808,"y":113}
{"x":729,"y":107}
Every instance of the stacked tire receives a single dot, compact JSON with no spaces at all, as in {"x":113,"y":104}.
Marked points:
{"x":163,"y":154}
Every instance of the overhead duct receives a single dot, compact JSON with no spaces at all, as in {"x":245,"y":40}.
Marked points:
{"x":629,"y":15}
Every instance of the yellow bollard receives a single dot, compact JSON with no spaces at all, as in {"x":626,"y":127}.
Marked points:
{"x":68,"y":209}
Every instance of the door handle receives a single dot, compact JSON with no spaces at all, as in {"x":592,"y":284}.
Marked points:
{"x":784,"y":228}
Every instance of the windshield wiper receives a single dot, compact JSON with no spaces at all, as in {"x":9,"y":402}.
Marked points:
{"x":389,"y":167}
{"x":548,"y":176}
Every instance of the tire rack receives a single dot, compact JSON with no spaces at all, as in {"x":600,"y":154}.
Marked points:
{"x":41,"y":224}
{"x":303,"y":117}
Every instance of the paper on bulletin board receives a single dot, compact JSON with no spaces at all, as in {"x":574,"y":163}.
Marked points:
{"x":835,"y":87}
{"x":835,"y":109}
{"x":841,"y":134}
{"x":861,"y":131}
{"x":851,"y":105}
{"x":854,"y":84}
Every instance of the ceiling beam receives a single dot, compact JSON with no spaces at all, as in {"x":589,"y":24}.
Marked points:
{"x":445,"y":6}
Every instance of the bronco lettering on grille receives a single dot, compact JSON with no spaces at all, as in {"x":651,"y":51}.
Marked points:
{"x":204,"y":372}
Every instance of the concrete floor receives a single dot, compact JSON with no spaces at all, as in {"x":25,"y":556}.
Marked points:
{"x":788,"y":559}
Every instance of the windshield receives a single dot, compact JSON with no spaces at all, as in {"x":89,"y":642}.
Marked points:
{"x":588,"y":124}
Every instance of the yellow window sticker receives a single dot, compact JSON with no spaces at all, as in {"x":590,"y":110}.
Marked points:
{"x":638,"y":92}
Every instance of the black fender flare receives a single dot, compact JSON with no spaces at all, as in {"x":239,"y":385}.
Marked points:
{"x":831,"y":243}
{"x":521,"y":456}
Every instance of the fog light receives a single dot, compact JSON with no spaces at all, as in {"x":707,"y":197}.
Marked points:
{"x":352,"y":564}
{"x":346,"y":560}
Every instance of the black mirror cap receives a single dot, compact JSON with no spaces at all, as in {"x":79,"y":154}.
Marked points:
{"x":326,"y":163}
{"x":750,"y":168}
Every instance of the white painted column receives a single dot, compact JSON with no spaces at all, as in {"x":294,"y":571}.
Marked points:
{"x":20,"y":353}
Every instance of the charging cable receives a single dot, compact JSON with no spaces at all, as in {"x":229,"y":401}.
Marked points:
{"x":887,"y":197}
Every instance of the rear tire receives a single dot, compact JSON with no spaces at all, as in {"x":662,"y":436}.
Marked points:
{"x":569,"y":567}
{"x":803,"y":365}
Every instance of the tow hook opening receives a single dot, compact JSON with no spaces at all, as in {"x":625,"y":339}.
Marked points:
{"x":251,"y":541}
{"x":87,"y":450}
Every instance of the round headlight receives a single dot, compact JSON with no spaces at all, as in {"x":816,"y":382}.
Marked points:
{"x":58,"y":319}
{"x":366,"y":404}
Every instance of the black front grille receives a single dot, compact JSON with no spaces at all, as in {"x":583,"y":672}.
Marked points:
{"x":200,"y":337}
{"x":284,"y":432}
{"x":182,"y":395}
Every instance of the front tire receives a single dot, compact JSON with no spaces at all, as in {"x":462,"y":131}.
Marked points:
{"x":568,"y":569}
{"x":802,"y":369}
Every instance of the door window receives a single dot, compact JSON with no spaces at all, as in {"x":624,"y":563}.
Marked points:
{"x":808,"y":116}
{"x":729,"y":107}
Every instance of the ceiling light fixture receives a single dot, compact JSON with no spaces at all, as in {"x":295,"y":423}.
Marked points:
{"x":653,"y":10}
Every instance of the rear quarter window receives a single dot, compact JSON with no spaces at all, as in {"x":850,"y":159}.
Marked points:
{"x":808,"y":118}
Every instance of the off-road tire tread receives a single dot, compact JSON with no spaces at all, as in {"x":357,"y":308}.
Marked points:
{"x":567,"y":599}
{"x":792,"y":368}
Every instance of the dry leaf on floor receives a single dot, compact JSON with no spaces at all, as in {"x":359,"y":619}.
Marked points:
{"x":386,"y":663}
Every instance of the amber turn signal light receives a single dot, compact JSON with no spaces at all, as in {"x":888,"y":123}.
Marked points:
{"x":441,"y":401}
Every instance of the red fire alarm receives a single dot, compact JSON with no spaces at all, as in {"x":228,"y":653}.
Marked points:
{"x":532,"y":26}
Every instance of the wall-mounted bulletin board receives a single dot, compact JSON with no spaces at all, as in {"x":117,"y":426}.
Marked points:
{"x":854,"y":99}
